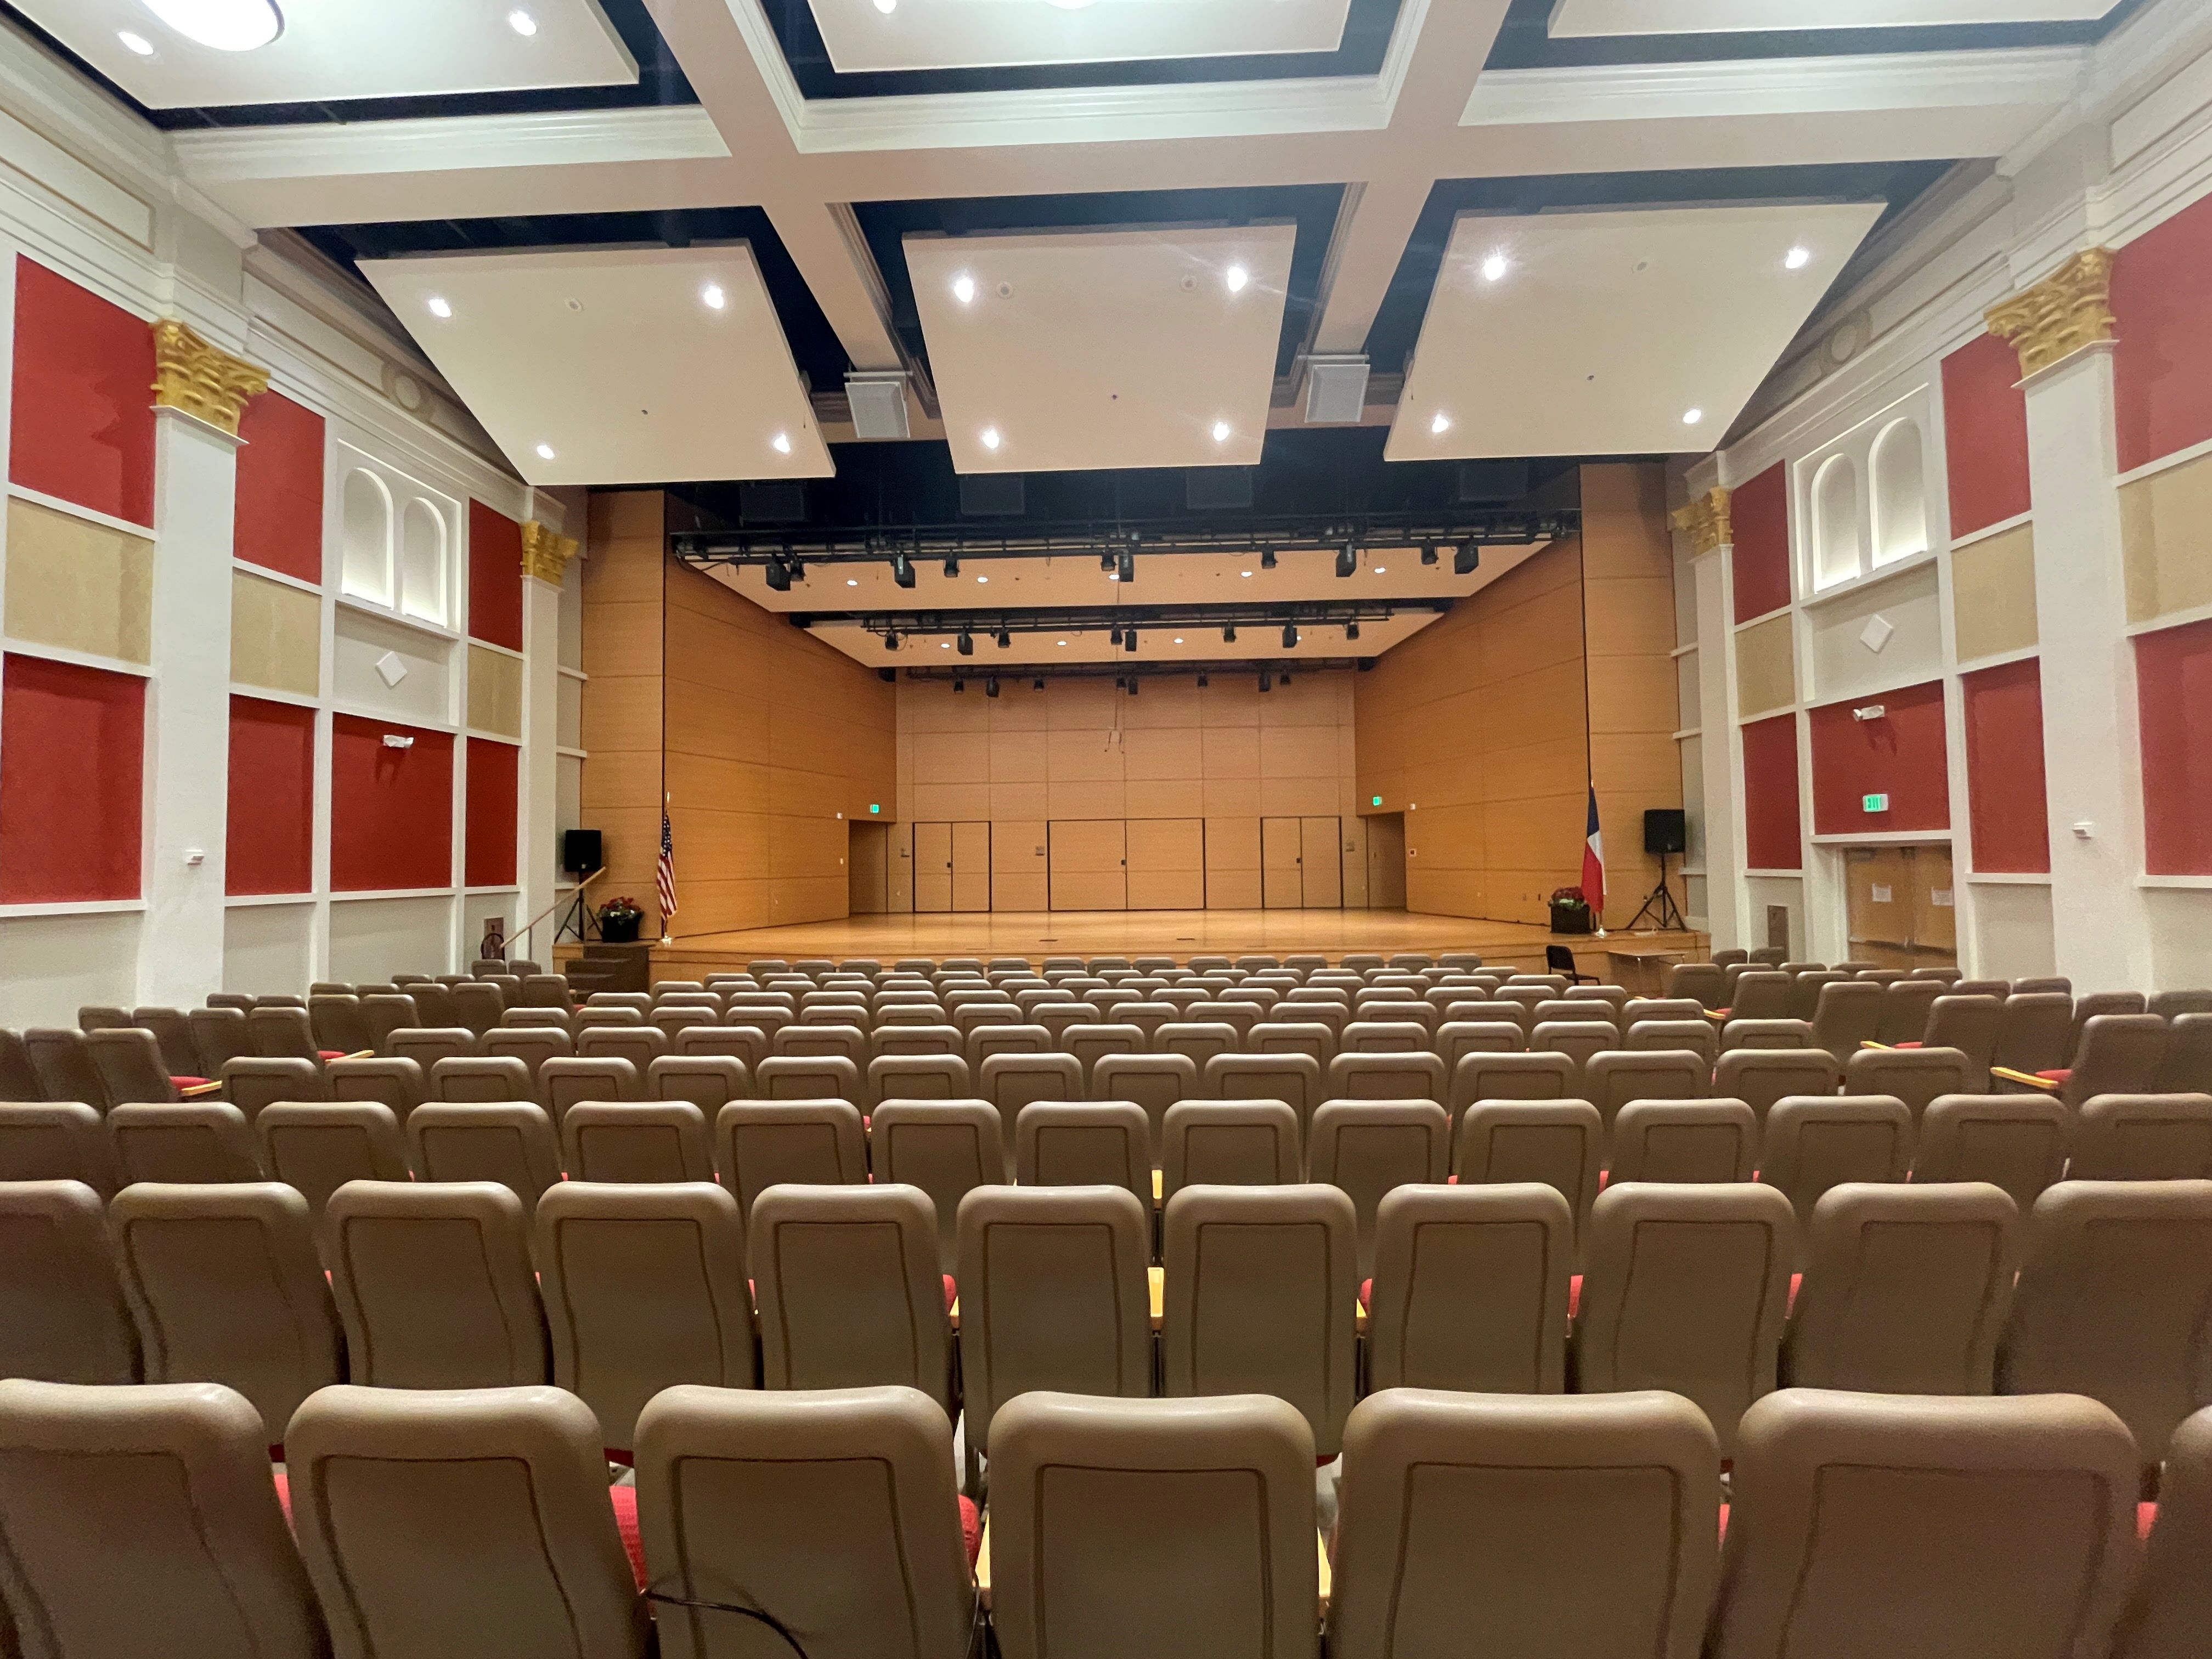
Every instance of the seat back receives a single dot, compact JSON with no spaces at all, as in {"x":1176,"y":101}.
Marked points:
{"x":846,"y":1281}
{"x":2188,"y":1066}
{"x":833,"y":1511}
{"x":565,"y":1079}
{"x":1391,"y":1077}
{"x":56,"y":1141}
{"x":1759,"y":1076}
{"x":130,"y":1064}
{"x":225,"y":1286}
{"x":1968,"y":1023}
{"x":63,"y":1067}
{"x":1510,"y":1077}
{"x":1154,"y":1082}
{"x":1560,"y":1143}
{"x":813,"y":1143}
{"x":1085,"y":1144}
{"x":2143,"y":1138}
{"x":1684,"y":1141}
{"x":2035,"y":1031}
{"x":1848,"y":1014}
{"x":480,"y":1080}
{"x":1562,"y":1528}
{"x":2115,"y":1301}
{"x":1275,"y":1269}
{"x":398,"y":1085}
{"x":2017,"y":1142}
{"x":1367,"y":1148}
{"x":1222,"y":1143}
{"x":1698,"y":1036}
{"x":1887,"y":1523}
{"x":1812,"y":1143}
{"x":316,"y":1147}
{"x":142,"y":1521}
{"x":2169,"y":1615}
{"x":1113,"y":1520}
{"x":434,"y":1284}
{"x":1470,"y":1289}
{"x":1907,"y":1004}
{"x":637,"y":1142}
{"x":947,"y":1148}
{"x":423,"y":1516}
{"x":709,"y":1082}
{"x":1704,"y":980}
{"x":1610,"y":1081}
{"x":387,"y":1012}
{"x":1293,"y":1079}
{"x":1684,"y":1288}
{"x":62,"y":1316}
{"x":644,"y":1287}
{"x":1915,"y":1076}
{"x":918,"y":1076}
{"x":426,"y":1045}
{"x":1905,"y":1289}
{"x":1052,"y":1294}
{"x":218,"y":1034}
{"x":506,"y":1141}
{"x":194,"y":1142}
{"x":2118,"y":1055}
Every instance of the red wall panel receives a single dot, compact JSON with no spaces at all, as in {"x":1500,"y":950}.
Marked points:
{"x":494,"y":577}
{"x":2004,"y":769}
{"x":72,"y":771}
{"x":2174,"y":688}
{"x":1759,"y":511}
{"x":392,"y":809}
{"x":270,"y":844}
{"x":495,"y":783}
{"x":1986,"y":434}
{"x":1903,"y":755}
{"x":83,"y":397}
{"x":280,"y":488}
{"x":2162,"y":369}
{"x":1774,"y":838}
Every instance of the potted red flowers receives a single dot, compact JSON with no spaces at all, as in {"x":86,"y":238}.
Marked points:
{"x":1570,"y":911}
{"x":619,"y":920}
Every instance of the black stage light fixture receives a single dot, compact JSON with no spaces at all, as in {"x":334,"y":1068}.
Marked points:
{"x":1115,"y":637}
{"x":902,"y":570}
{"x":1267,"y":682}
{"x":1351,"y":630}
{"x":953,"y":567}
{"x":1120,"y":684}
{"x":1037,"y":684}
{"x":1464,"y":557}
{"x":1229,"y":634}
{"x":1132,"y":685}
{"x":1286,"y":676}
{"x":1428,"y":552}
{"x":890,"y":640}
{"x":1266,"y":558}
{"x":1105,"y":561}
{"x":991,"y":686}
{"x":1006,"y":639}
{"x":959,"y":685}
{"x":1290,"y":636}
{"x":1201,"y":682}
{"x":1347,"y":559}
{"x":967,"y":643}
{"x":1130,"y":639}
{"x":778,"y":575}
{"x":1125,"y":566}
{"x":798,"y":570}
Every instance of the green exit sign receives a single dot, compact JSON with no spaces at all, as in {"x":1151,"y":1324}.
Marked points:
{"x":1376,"y":801}
{"x":874,"y":808}
{"x":1874,"y":803}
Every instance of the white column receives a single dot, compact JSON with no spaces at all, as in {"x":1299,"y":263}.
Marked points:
{"x":1721,"y":750}
{"x":545,"y":557}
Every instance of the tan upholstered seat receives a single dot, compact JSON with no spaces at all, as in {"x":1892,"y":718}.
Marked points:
{"x":317,"y":1147}
{"x":1558,"y":1142}
{"x":481,"y":1079}
{"x":1972,"y":1529}
{"x":850,"y":1295}
{"x":918,"y":1076}
{"x":195,"y":1141}
{"x":506,"y":1141}
{"x":2169,"y":1615}
{"x":1052,"y":1294}
{"x":832,"y":1512}
{"x":565,"y":1079}
{"x":1848,"y":1014}
{"x":142,"y":1521}
{"x":810,"y":1076}
{"x":1685,"y":1289}
{"x":2035,"y":1032}
{"x":1510,"y":1077}
{"x":1470,"y":1289}
{"x":644,"y":1287}
{"x":1906,"y":1290}
{"x":462,"y":1522}
{"x":1813,"y":1143}
{"x":1915,"y":1076}
{"x":1766,"y":1034}
{"x":1230,"y":1142}
{"x":1458,"y":1038}
{"x":1759,"y":1076}
{"x":56,"y":1141}
{"x":1085,"y":1144}
{"x":63,"y":1317}
{"x":1116,"y":1522}
{"x":1580,"y":1041}
{"x":1387,"y":1077}
{"x":947,"y":1148}
{"x":219,"y":1036}
{"x":709,"y":1082}
{"x":1367,"y":1148}
{"x":426,"y":1045}
{"x":812,"y":1143}
{"x":1274,"y":1271}
{"x":225,"y":1286}
{"x":1294,"y":1078}
{"x":1968,"y":1023}
{"x":398,"y":1085}
{"x":636,"y":1140}
{"x":1154,"y":1082}
{"x":63,"y":1067}
{"x":1562,"y":1528}
{"x":434,"y":1284}
{"x":2018,"y":1142}
{"x":1684,"y":1141}
{"x":131,"y":1065}
{"x":2115,"y":1302}
{"x":1611,"y":1080}
{"x":2142,"y":1138}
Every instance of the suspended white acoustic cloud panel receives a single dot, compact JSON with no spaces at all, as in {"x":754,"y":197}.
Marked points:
{"x":612,"y":365}
{"x":944,"y":34}
{"x":1585,"y":17}
{"x":1618,"y":332}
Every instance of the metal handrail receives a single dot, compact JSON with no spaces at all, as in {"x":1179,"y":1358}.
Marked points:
{"x":566,"y":899}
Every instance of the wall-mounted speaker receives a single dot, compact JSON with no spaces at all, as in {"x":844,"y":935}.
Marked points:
{"x":1666,"y":830}
{"x":580,"y":852}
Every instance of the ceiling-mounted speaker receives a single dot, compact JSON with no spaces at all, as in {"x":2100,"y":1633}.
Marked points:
{"x":1336,"y":391}
{"x":1217,"y":489}
{"x":992,"y":496}
{"x":783,"y":501}
{"x":1492,"y":481}
{"x":877,"y":397}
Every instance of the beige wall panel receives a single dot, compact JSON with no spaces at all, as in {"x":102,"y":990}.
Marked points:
{"x":1297,"y":751}
{"x":2165,"y":529}
{"x":620,"y":778}
{"x":1448,"y":838}
{"x":1993,"y":587}
{"x":1086,"y":800}
{"x":1080,"y":705}
{"x":1233,"y":889}
{"x":1634,"y":694}
{"x":495,"y":699}
{"x":732,"y":842}
{"x":1229,"y":703}
{"x":971,"y":866}
{"x":1166,"y":752}
{"x":1165,"y":800}
{"x":1308,"y":700}
{"x":1026,"y":893}
{"x":945,"y":803}
{"x":724,"y":786}
{"x":1625,"y":762}
{"x":621,"y":711}
{"x":1170,"y":890}
{"x":1086,"y":847}
{"x":1018,"y":757}
{"x":276,"y":635}
{"x":933,"y":707}
{"x":1102,"y":892}
{"x":78,"y":584}
{"x":1021,"y":709}
{"x":1229,"y":751}
{"x":933,"y":867}
{"x":1232,"y":844}
{"x":1231,"y":798}
{"x":1082,"y":755}
{"x":623,"y":636}
{"x":1158,"y":845}
{"x":1014,"y":802}
{"x":1018,"y":848}
{"x":1535,"y":771}
{"x":1165,"y":703}
{"x":805,"y":900}
{"x":805,"y":847}
{"x":1297,"y":797}
{"x":687,"y":733}
{"x":1765,"y":667}
{"x":949,"y":757}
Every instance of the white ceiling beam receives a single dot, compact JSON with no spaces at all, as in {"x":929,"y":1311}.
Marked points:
{"x":825,"y":241}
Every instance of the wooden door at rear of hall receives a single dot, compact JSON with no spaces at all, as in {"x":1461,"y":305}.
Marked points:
{"x":1302,"y":864}
{"x":952,"y":867}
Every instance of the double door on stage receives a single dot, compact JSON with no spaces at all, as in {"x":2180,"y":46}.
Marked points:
{"x":1196,"y":863}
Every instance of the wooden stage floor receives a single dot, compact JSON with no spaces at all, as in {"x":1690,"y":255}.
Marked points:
{"x":1037,"y":934}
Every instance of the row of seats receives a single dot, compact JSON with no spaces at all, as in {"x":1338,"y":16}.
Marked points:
{"x":627,"y":1290}
{"x":477,"y":1525}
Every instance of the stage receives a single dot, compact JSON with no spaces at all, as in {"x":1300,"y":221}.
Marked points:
{"x":1037,"y":935}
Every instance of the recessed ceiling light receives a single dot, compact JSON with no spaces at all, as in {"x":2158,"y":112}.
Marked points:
{"x":964,"y":287}
{"x":1243,"y":573}
{"x":852,"y":581}
{"x":1690,"y":417}
{"x":1237,"y":278}
{"x":138,"y":43}
{"x":1442,"y":424}
{"x":781,"y":443}
{"x":944,"y":645}
{"x":983,"y":578}
{"x":545,"y":452}
{"x":522,"y":23}
{"x":1797,"y":258}
{"x":990,"y":437}
{"x":440,"y":306}
{"x":1380,"y":569}
{"x":1493,"y":267}
{"x":225,"y":25}
{"x":1178,"y":639}
{"x":1063,"y":641}
{"x":713,"y":296}
{"x":1221,"y":432}
{"x":887,"y":6}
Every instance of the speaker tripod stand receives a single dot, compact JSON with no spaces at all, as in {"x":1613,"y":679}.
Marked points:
{"x":1659,"y":905}
{"x":575,"y":918}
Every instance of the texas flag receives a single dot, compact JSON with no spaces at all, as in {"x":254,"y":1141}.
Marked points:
{"x":1594,"y":863}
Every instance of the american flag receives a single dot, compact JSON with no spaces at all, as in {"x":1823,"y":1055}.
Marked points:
{"x":664,"y":874}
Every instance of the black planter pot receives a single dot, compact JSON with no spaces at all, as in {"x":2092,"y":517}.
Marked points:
{"x":1570,"y":917}
{"x":620,"y":932}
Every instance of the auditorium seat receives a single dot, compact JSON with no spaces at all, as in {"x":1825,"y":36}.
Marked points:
{"x":2187,"y":1068}
{"x":2121,"y":1137}
{"x":132,"y":1068}
{"x":2035,"y":1031}
{"x":137,"y":1521}
{"x":1459,"y":1037}
{"x":1611,"y":1080}
{"x":476,"y":1006}
{"x":62,"y":1315}
{"x":434,"y":1284}
{"x":511,"y":1142}
{"x":758,"y":1144}
{"x":387,"y":1012}
{"x":542,"y":990}
{"x":706,"y":1081}
{"x":462,"y":1524}
{"x":1367,"y":1148}
{"x":1698,"y":1036}
{"x":2170,"y":1613}
{"x":1085,"y":1144}
{"x":1972,"y":1528}
{"x":1295,"y":1080}
{"x":426,"y":1045}
{"x":644,"y":1287}
{"x":1275,"y":1269}
{"x":732,"y":1040}
{"x":1968,"y":1023}
{"x":398,"y":1084}
{"x":1152,"y":1081}
{"x":818,"y":1041}
{"x":636,"y":1141}
{"x":1470,"y":1289}
{"x":1702,"y":980}
{"x":1561,"y":1142}
{"x":1480,"y":1077}
{"x":809,"y":1076}
{"x":56,"y":1141}
{"x":225,"y":1286}
{"x":1684,"y":1288}
{"x":1684,"y":1141}
{"x":1303,"y":1033}
{"x":1765,"y":1033}
{"x":947,"y":1148}
{"x":1758,"y":1078}
{"x":1054,"y":1295}
{"x":2115,"y":1302}
{"x":219,"y":1036}
{"x":196,"y":1141}
{"x":1570,"y":1527}
{"x":473,"y":1079}
{"x":1231,"y":1143}
{"x":315,"y":1148}
{"x":565,"y":1079}
{"x":849,"y":1293}
{"x":1848,"y":1014}
{"x":1905,"y":1289}
{"x":1907,"y":1004}
{"x":1915,"y":1076}
{"x":1813,"y":1142}
{"x":1116,"y":1522}
{"x":2018,"y":1142}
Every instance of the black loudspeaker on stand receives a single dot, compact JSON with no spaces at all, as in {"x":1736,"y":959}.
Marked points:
{"x":1666,"y":830}
{"x":582,"y":856}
